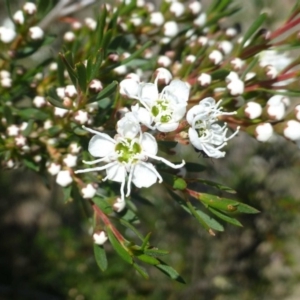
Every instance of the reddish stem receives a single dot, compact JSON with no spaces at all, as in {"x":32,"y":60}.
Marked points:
{"x":285,"y":28}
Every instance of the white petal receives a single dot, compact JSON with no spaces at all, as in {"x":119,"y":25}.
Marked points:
{"x":167,"y":127}
{"x":129,"y":87}
{"x":144,"y":176}
{"x":144,"y":116}
{"x":116,"y":173}
{"x":99,"y":146}
{"x":194,"y":111}
{"x":194,"y":139}
{"x":179,"y":89}
{"x":148,"y":143}
{"x":148,"y":93}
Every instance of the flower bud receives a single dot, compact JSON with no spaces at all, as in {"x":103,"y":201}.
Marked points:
{"x":70,"y":91}
{"x":53,"y":168}
{"x":292,"y":130}
{"x":195,"y":7}
{"x":81,"y":117}
{"x":271,"y":72}
{"x":275,"y":108}
{"x":7,"y":35}
{"x":36,"y":33}
{"x":164,"y":61}
{"x":252,"y":110}
{"x":100,"y":238}
{"x":156,"y":18}
{"x":29,"y":8}
{"x":90,"y":23}
{"x":216,"y":57}
{"x":60,"y":112}
{"x":262,"y":132}
{"x":204,"y":79}
{"x":39,"y":101}
{"x":171,"y":29}
{"x":177,"y":9}
{"x":64,"y":178}
{"x":119,"y":205}
{"x":89,"y":191}
{"x":237,"y":63}
{"x":200,"y":20}
{"x":70,"y":160}
{"x":95,"y":86}
{"x":18,"y":17}
{"x":69,"y":36}
{"x":163,"y":76}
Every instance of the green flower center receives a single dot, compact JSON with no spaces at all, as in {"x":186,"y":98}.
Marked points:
{"x":128,"y":150}
{"x":161,"y":111}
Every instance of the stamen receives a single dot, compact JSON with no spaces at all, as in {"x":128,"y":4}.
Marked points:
{"x":165,"y":161}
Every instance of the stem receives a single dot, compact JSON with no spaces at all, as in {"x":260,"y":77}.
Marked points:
{"x":285,"y":28}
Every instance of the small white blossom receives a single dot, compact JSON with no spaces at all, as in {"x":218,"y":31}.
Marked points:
{"x":70,"y":160}
{"x":60,"y":112}
{"x":157,"y":18}
{"x":166,"y":108}
{"x":203,"y":40}
{"x":195,"y":7}
{"x":292,"y":130}
{"x":81,"y":117}
{"x":163,"y":76}
{"x":273,"y":58}
{"x":190,"y":58}
{"x":234,"y":84}
{"x":216,"y":57}
{"x":29,"y":8}
{"x":64,"y":178}
{"x":96,"y":86}
{"x":171,"y":29}
{"x":204,"y":79}
{"x":119,"y":204}
{"x":205,"y":134}
{"x":126,"y":157}
{"x":264,"y":132}
{"x":89,"y":191}
{"x":19,"y":17}
{"x":13,"y":130}
{"x":60,"y":91}
{"x":100,"y":238}
{"x":6,"y":82}
{"x":121,"y":70}
{"x":69,"y":36}
{"x":54,"y":168}
{"x":253,"y":110}
{"x":200,"y":20}
{"x":271,"y":72}
{"x":70,"y":91}
{"x":48,"y":124}
{"x":231,"y":32}
{"x":237,"y":63}
{"x":90,"y":23}
{"x":226,"y":47}
{"x":75,"y":148}
{"x":250,"y":76}
{"x":20,"y":140}
{"x":39,"y":101}
{"x":36,"y":33}
{"x":177,"y":9}
{"x":7,"y":35}
{"x":276,"y":107}
{"x":164,"y":61}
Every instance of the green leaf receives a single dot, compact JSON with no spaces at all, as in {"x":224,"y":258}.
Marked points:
{"x":8,"y":114}
{"x":155,"y":252}
{"x":102,"y":204}
{"x":100,"y":257}
{"x":54,"y":99}
{"x":253,"y":28}
{"x":252,"y":64}
{"x":120,"y":249}
{"x":170,"y":272}
{"x":225,"y":217}
{"x":67,"y":59}
{"x":31,"y":165}
{"x":131,"y":227}
{"x":146,"y":241}
{"x":219,"y":74}
{"x":217,"y":185}
{"x":141,"y":270}
{"x":67,"y":193}
{"x":8,"y":9}
{"x":82,"y":77}
{"x":32,"y":113}
{"x":179,"y":200}
{"x":148,"y":259}
{"x":212,"y":223}
{"x":28,"y":129}
{"x":101,"y":27}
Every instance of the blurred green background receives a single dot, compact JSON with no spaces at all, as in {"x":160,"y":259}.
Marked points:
{"x":46,"y":246}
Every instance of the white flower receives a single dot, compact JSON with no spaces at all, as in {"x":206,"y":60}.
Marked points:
{"x":204,"y":79}
{"x":39,"y":101}
{"x":177,"y":9}
{"x":89,"y":191}
{"x":54,"y":168}
{"x":263,"y":132}
{"x":69,"y":36}
{"x":237,"y":63}
{"x":60,"y":112}
{"x":200,"y":20}
{"x":205,"y":134}
{"x":81,"y":117}
{"x":29,"y":8}
{"x":156,"y":18}
{"x":13,"y":130}
{"x":70,"y":160}
{"x":64,"y":178}
{"x":253,"y":110}
{"x":100,"y":238}
{"x":74,"y":148}
{"x":171,"y":29}
{"x":166,"y":108}
{"x":216,"y":57}
{"x":90,"y":23}
{"x":195,"y":7}
{"x":36,"y":33}
{"x":126,"y":157}
{"x":226,"y":47}
{"x":271,"y":57}
{"x":7,"y":35}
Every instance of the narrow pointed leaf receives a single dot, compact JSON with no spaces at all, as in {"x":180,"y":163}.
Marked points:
{"x":226,"y":218}
{"x":107,"y":91}
{"x":141,"y":270}
{"x":170,"y":272}
{"x":100,"y":257}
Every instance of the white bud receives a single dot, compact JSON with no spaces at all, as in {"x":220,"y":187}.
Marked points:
{"x":60,"y":112}
{"x":4,"y":74}
{"x":39,"y":101}
{"x":70,"y":160}
{"x":60,"y":91}
{"x":29,"y":8}
{"x":36,"y":33}
{"x":69,"y":36}
{"x":7,"y":35}
{"x":6,"y":82}
{"x":19,"y":17}
{"x":81,"y":117}
{"x":200,"y":20}
{"x":271,"y":71}
{"x":292,"y":130}
{"x":226,"y":47}
{"x":96,"y":86}
{"x":204,"y":79}
{"x":231,"y":32}
{"x":171,"y":29}
{"x":64,"y":178}
{"x":216,"y":57}
{"x":89,"y":191}
{"x":177,"y":9}
{"x":250,"y":76}
{"x":20,"y":140}
{"x":264,"y":132}
{"x":54,"y":168}
{"x":237,"y":63}
{"x":13,"y":130}
{"x":163,"y":76}
{"x":253,"y":110}
{"x":74,"y":148}
{"x":190,"y":58}
{"x":156,"y":18}
{"x":297,"y":112}
{"x":203,"y":40}
{"x":70,"y":91}
{"x":164,"y":61}
{"x":136,"y":21}
{"x":100,"y":238}
{"x":195,"y":7}
{"x":90,"y":23}
{"x":276,"y":107}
